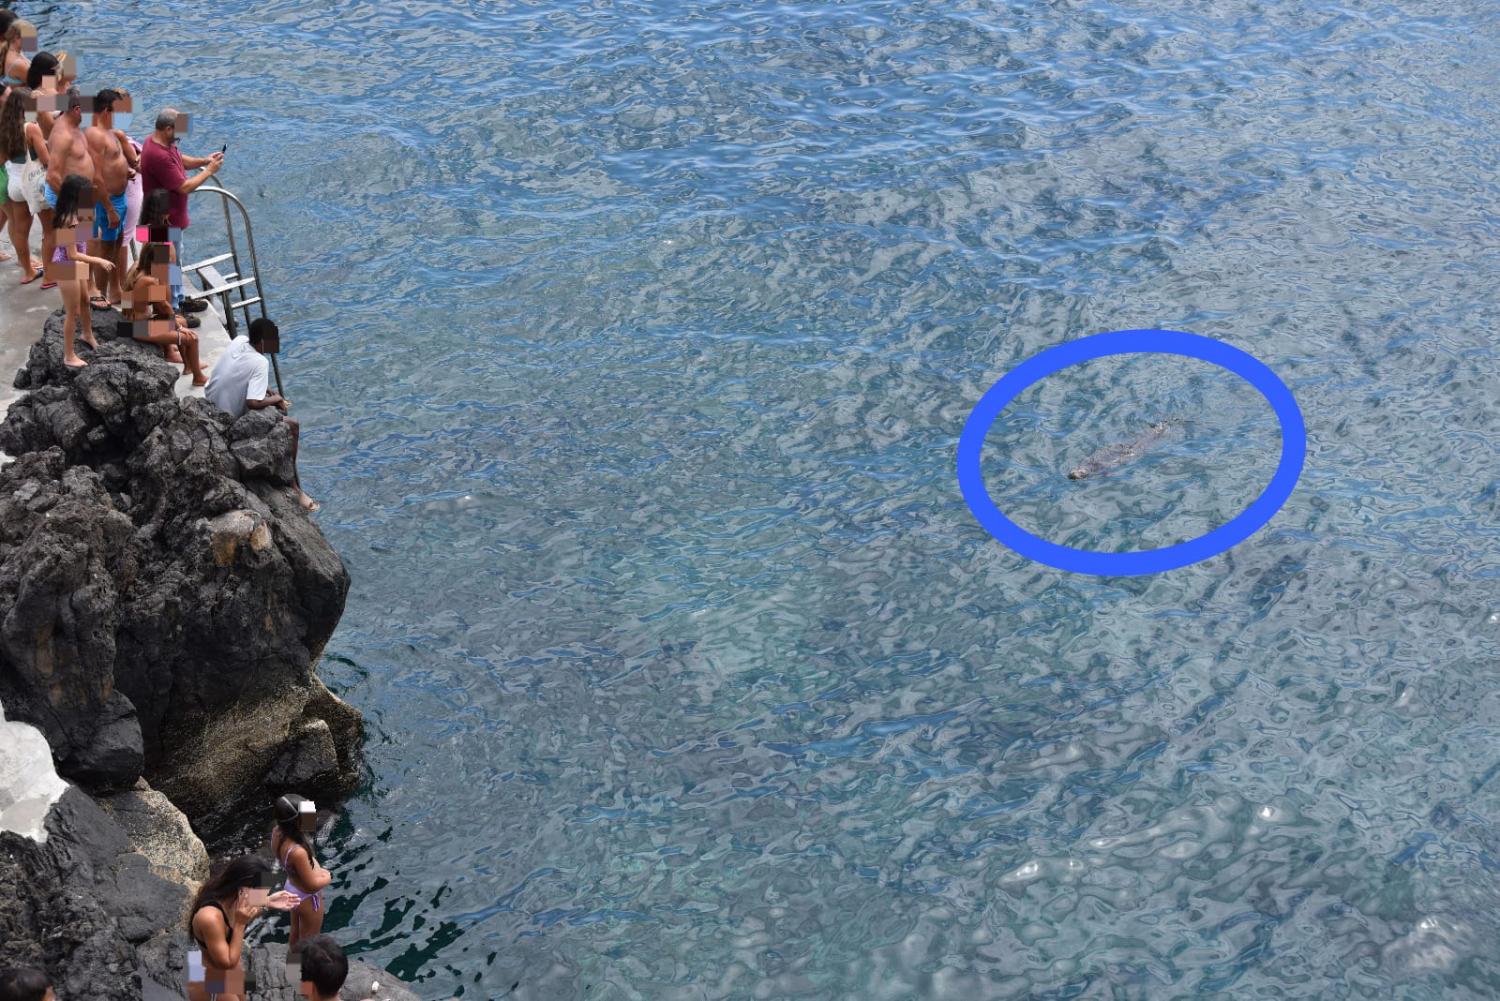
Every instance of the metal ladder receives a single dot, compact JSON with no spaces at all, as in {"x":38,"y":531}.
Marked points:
{"x":216,"y":284}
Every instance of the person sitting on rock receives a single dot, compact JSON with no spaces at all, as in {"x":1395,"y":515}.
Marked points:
{"x":305,"y":879}
{"x":324,"y":968}
{"x":25,"y":984}
{"x":241,"y":381}
{"x":146,"y":292}
{"x":226,"y":903}
{"x":155,"y":227}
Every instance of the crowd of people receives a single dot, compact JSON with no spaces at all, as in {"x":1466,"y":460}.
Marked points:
{"x":113,"y":212}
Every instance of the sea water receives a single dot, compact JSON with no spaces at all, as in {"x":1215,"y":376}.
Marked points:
{"x":631,"y":344}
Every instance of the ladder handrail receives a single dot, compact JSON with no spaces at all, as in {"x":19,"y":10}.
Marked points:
{"x":226,"y":197}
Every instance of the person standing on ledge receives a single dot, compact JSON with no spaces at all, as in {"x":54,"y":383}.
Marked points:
{"x":67,"y":153}
{"x":241,"y":381}
{"x":113,"y":166}
{"x":164,"y":167}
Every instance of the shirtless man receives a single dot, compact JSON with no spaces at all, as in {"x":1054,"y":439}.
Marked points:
{"x":67,"y":153}
{"x":114,"y":165}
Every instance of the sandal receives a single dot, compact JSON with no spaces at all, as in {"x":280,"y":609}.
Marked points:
{"x":35,"y":275}
{"x":99,"y":302}
{"x":49,"y":285}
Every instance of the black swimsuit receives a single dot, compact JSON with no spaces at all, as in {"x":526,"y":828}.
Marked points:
{"x":228,"y":929}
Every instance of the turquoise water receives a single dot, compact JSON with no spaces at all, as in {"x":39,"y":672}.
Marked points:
{"x":632,"y":343}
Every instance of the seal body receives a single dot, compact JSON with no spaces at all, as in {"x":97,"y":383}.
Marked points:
{"x":1116,"y":455}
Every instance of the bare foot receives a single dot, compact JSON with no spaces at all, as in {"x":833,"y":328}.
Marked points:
{"x":199,"y":380}
{"x":90,"y":342}
{"x":73,"y":361}
{"x":308,"y":504}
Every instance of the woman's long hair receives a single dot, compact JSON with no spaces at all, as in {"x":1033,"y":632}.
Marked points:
{"x":247,"y":872}
{"x":13,"y":124}
{"x":288,"y":814}
{"x":42,"y":64}
{"x":68,"y":199}
{"x":13,"y":32}
{"x":156,"y":209}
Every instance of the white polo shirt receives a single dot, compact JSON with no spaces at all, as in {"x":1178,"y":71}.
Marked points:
{"x":240,"y":374}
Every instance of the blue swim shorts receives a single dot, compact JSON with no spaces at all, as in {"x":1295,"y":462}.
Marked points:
{"x":49,"y":194}
{"x":102,"y":229}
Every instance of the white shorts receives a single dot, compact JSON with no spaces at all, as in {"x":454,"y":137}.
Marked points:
{"x":34,"y":196}
{"x":13,"y":187}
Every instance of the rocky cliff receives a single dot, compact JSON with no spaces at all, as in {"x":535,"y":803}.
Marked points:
{"x":163,"y":599}
{"x":163,"y":603}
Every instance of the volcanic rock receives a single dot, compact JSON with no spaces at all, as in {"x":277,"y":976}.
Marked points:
{"x":163,"y":598}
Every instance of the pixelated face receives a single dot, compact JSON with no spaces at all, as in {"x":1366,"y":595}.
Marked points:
{"x":180,"y":128}
{"x":150,"y":328}
{"x":123,"y":111}
{"x":42,"y":102}
{"x":307,"y":816}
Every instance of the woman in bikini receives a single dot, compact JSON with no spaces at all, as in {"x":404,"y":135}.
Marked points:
{"x":305,"y":879}
{"x":147,"y":315}
{"x":13,"y":50}
{"x":226,"y":903}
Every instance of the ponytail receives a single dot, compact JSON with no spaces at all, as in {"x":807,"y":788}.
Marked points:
{"x":288,"y":814}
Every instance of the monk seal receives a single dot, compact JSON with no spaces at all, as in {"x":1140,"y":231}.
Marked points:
{"x":1113,"y":456}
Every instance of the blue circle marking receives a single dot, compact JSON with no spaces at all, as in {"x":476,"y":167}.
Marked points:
{"x":1124,"y":342}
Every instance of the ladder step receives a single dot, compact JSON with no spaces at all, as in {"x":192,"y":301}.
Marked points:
{"x":206,"y":263}
{"x":244,"y":302}
{"x":216,"y":284}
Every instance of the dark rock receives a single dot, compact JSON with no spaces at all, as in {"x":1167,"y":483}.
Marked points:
{"x":262,"y":443}
{"x":62,"y":548}
{"x":78,"y":904}
{"x":309,"y":762}
{"x":113,"y":758}
{"x":151,"y":555}
{"x":160,"y":832}
{"x":136,"y":897}
{"x":163,"y":601}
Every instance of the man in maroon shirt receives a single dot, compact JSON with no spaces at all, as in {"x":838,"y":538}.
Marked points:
{"x":163,"y":165}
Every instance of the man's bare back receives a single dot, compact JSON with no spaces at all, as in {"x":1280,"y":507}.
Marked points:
{"x":68,"y":153}
{"x":114,"y":169}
